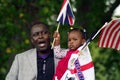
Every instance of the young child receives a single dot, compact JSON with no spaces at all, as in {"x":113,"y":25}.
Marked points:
{"x":74,"y":65}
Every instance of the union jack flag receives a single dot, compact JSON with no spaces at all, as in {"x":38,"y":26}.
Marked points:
{"x":66,"y":14}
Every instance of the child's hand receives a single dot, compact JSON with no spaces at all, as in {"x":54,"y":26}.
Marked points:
{"x":56,"y":35}
{"x":57,"y":38}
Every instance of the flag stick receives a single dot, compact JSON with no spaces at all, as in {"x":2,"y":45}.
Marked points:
{"x":99,"y":30}
{"x":58,"y":26}
{"x":88,"y":41}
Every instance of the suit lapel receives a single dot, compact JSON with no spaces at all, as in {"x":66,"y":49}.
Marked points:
{"x":33,"y":60}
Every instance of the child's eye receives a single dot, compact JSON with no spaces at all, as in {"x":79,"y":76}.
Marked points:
{"x":74,"y":39}
{"x":69,"y":39}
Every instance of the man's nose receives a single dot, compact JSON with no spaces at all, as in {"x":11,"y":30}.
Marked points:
{"x":40,"y":35}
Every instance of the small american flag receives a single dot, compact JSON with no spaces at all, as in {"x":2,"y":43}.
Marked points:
{"x":110,"y":35}
{"x":66,"y":14}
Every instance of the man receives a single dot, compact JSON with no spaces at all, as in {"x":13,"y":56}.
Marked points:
{"x":38,"y":63}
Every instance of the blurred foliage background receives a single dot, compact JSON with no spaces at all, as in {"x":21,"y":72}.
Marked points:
{"x":17,"y":15}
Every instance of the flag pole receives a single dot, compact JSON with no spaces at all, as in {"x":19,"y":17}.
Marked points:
{"x":99,"y":30}
{"x":58,"y":26}
{"x":88,"y":41}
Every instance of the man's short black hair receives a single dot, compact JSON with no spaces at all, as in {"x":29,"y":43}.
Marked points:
{"x":38,"y":22}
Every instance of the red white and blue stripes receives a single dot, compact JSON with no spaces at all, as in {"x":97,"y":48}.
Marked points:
{"x":66,"y":14}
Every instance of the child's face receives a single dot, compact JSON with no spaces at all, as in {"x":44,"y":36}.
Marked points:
{"x":75,"y":40}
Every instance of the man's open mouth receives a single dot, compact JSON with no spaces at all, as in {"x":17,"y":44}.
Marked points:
{"x":42,"y":43}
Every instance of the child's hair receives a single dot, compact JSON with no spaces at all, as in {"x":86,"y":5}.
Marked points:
{"x":82,"y":31}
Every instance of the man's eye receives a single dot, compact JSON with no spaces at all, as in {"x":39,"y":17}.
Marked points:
{"x":44,"y":32}
{"x":35,"y":34}
{"x":41,"y":33}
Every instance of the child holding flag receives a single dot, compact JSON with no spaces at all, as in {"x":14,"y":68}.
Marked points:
{"x":74,"y":65}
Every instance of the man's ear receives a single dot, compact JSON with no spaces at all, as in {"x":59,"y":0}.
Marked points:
{"x":31,"y":40}
{"x":50,"y":36}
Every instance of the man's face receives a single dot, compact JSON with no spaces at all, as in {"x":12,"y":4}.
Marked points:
{"x":40,"y":37}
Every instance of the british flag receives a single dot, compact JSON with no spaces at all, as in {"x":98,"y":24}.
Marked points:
{"x":66,"y":14}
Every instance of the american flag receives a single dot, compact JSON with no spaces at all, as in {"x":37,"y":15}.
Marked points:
{"x":66,"y":14}
{"x":110,"y":35}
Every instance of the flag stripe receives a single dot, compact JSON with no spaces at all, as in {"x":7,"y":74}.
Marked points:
{"x":62,"y":13}
{"x":70,"y":20}
{"x":83,"y":67}
{"x":63,"y":3}
{"x":66,"y":14}
{"x":114,"y":35}
{"x":110,"y":35}
{"x":118,"y":42}
{"x":115,"y":41}
{"x":104,"y":33}
{"x":108,"y":30}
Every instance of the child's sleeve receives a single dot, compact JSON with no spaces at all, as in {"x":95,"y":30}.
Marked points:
{"x":59,"y":52}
